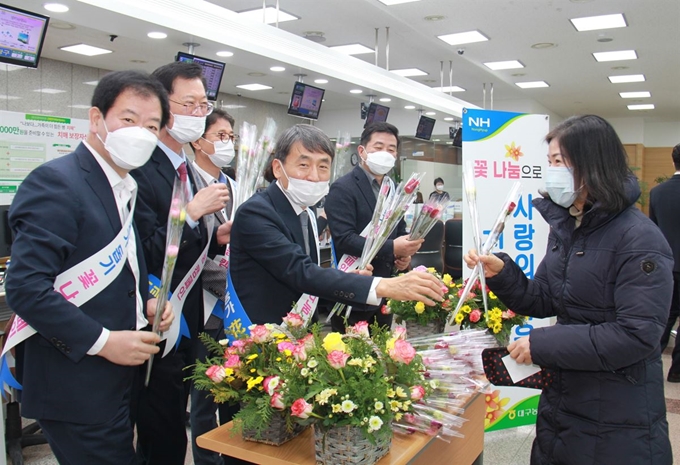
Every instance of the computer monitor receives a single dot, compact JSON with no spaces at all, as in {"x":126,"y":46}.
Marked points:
{"x":212,"y":72}
{"x":22,"y":34}
{"x":425,"y":128}
{"x":376,"y":114}
{"x":305,"y":101}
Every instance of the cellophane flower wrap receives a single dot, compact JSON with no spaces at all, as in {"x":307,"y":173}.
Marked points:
{"x":342,"y":162}
{"x":419,"y":312}
{"x":253,"y":155}
{"x":429,"y":214}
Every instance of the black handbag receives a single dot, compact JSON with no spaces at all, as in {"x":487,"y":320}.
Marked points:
{"x":498,"y":375}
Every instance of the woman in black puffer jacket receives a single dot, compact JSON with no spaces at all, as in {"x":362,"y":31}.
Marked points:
{"x":607,"y":276}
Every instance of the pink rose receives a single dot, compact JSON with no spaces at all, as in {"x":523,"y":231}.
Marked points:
{"x":260,"y":334}
{"x":420,"y":268}
{"x":361,"y":328}
{"x":337,"y":359}
{"x":307,"y":341}
{"x":427,"y":208}
{"x":216,"y":373}
{"x":417,"y":392}
{"x":277,"y":401}
{"x":301,"y":409}
{"x":402,"y":352}
{"x":300,"y":352}
{"x":270,"y":384}
{"x":475,"y":315}
{"x":293,"y":320}
{"x":471,"y":295}
{"x":399,"y":332}
{"x":286,"y":345}
{"x":172,"y":251}
{"x":511,"y":207}
{"x":240,"y":346}
{"x":233,"y":361}
{"x":510,"y":314}
{"x":385,"y":310}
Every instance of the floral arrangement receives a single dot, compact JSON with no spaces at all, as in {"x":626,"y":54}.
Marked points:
{"x":417,"y":311}
{"x":499,"y":320}
{"x":429,"y":214}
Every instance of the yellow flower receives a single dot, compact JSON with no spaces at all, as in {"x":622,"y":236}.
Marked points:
{"x":251,"y":357}
{"x":446,"y":279}
{"x":420,"y":307}
{"x":337,"y":408}
{"x":252,"y":382}
{"x":333,"y":341}
{"x":390,"y":343}
{"x":492,"y":295}
{"x":465,"y":309}
{"x":496,"y":313}
{"x":497,"y":328}
{"x":400,"y":392}
{"x":459,"y":318}
{"x":431,"y":270}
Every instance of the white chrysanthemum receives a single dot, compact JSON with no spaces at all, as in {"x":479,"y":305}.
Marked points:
{"x":374,"y":423}
{"x":312,"y":363}
{"x":378,"y":406}
{"x":348,"y":406}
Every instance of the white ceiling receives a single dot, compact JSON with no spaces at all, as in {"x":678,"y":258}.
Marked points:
{"x":578,"y":84}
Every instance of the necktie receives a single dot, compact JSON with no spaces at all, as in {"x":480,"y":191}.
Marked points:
{"x":304,"y":222}
{"x":182,"y":171}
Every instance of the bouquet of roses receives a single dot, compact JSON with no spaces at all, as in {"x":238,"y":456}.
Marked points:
{"x":342,"y":162}
{"x":253,"y":155}
{"x":429,"y":214}
{"x":417,"y":311}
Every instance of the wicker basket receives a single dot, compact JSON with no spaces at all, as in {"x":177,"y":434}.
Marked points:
{"x":414,"y":329}
{"x":276,"y":433}
{"x":346,"y":445}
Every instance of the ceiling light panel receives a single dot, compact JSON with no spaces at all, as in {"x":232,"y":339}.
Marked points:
{"x":532,"y":84}
{"x":55,"y":7}
{"x":385,"y":99}
{"x":627,"y":78}
{"x":594,"y":23}
{"x":615,"y":56}
{"x":50,"y":91}
{"x":461,"y":38}
{"x":320,"y":81}
{"x":253,"y":87}
{"x":409,"y":72}
{"x":225,"y":53}
{"x":352,"y":49}
{"x":642,"y":94}
{"x":396,"y":2}
{"x":646,"y":106}
{"x":270,"y":15}
{"x":84,"y":49}
{"x":157,"y":35}
{"x":500,"y":65}
{"x":277,"y":69}
{"x":448,"y":89}
{"x":356,"y":91}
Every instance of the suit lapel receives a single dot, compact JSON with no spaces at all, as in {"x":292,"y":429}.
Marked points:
{"x":164,"y":166}
{"x":285,"y":210}
{"x":99,"y":183}
{"x":364,"y":186}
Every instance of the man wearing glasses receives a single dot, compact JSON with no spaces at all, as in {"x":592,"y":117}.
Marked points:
{"x":159,"y":409}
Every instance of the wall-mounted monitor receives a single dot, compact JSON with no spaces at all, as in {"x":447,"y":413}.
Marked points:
{"x":425,"y":128}
{"x":212,"y":72}
{"x":376,"y":114}
{"x":22,"y":35}
{"x":305,"y":101}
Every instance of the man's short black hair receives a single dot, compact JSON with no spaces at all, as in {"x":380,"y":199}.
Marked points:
{"x":379,"y":127}
{"x":438,"y":180}
{"x":115,"y":83}
{"x":676,"y":157}
{"x":167,"y":74}
{"x":311,"y":138}
{"x":216,"y":115}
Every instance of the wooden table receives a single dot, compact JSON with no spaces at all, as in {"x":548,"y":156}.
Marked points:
{"x":416,"y":449}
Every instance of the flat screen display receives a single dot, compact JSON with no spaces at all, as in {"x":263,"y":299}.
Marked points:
{"x":212,"y":72}
{"x":305,"y":101}
{"x":425,"y":128}
{"x":22,"y":35}
{"x":376,"y":114}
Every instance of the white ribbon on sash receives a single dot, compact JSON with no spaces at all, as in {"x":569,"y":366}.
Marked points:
{"x":306,"y":304}
{"x":210,"y":299}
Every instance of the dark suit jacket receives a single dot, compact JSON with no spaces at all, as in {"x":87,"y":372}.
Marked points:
{"x":63,"y":213}
{"x":268,"y":264}
{"x":155,"y":180}
{"x":349,"y":208}
{"x":664,"y":210}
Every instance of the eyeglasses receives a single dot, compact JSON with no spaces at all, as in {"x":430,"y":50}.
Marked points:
{"x":196,"y":109}
{"x":223,"y":136}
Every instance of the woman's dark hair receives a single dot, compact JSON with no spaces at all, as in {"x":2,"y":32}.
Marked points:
{"x":592,"y":148}
{"x":311,"y":138}
{"x":438,"y":180}
{"x":379,"y":127}
{"x":144,"y":85}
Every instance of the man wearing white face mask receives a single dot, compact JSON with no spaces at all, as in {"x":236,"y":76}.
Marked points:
{"x":349,"y":206}
{"x":274,"y":248}
{"x":160,"y":411}
{"x":68,"y":215}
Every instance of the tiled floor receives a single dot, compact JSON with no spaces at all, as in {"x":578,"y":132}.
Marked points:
{"x":509,"y":447}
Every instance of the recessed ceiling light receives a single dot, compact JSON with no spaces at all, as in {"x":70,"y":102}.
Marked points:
{"x":277,"y":69}
{"x":256,"y":74}
{"x":61,"y":25}
{"x":461,"y":38}
{"x":320,"y":81}
{"x":543,"y":45}
{"x":55,"y":7}
{"x":355,"y":91}
{"x":532,"y":84}
{"x":49,"y":91}
{"x":592,"y":23}
{"x":253,"y":87}
{"x":449,"y":118}
{"x":396,"y":2}
{"x":284,"y":93}
{"x":409,"y":107}
{"x":157,"y":35}
{"x":641,"y":94}
{"x":430,"y":113}
{"x":385,"y":99}
{"x":225,"y":53}
{"x":619,"y":68}
{"x":615,"y":56}
{"x":434,"y":18}
{"x":80,"y":107}
{"x":499,"y":65}
{"x":87,"y":50}
{"x":603,"y":39}
{"x":429,"y":80}
{"x":644,"y":106}
{"x":138,"y":61}
{"x":91,"y":83}
{"x":40,"y":111}
{"x":270,"y":15}
{"x":448,"y":89}
{"x":234,"y":107}
{"x":314,"y":36}
{"x":627,"y":78}
{"x":352,"y":49}
{"x":409,"y":72}
{"x":518,"y":74}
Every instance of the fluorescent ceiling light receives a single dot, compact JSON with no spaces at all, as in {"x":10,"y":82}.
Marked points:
{"x":430,"y":113}
{"x":642,"y":94}
{"x":8,"y":97}
{"x":49,"y":91}
{"x":41,"y":111}
{"x":593,"y":23}
{"x":352,"y":49}
{"x":356,"y":91}
{"x":646,"y":106}
{"x":225,"y":53}
{"x":461,"y":38}
{"x":157,"y":35}
{"x":233,"y":107}
{"x":91,"y":83}
{"x":410,"y":107}
{"x":396,"y":2}
{"x":55,"y":7}
{"x":321,"y":81}
{"x":448,"y":118}
{"x":627,"y":78}
{"x":80,"y":107}
{"x":277,"y":69}
{"x":498,"y":65}
{"x":269,"y":15}
{"x":87,"y":50}
{"x":615,"y":56}
{"x":448,"y":89}
{"x":409,"y":72}
{"x":253,"y":87}
{"x":532,"y":84}
{"x":385,"y":99}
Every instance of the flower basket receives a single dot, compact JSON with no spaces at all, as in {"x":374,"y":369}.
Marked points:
{"x":276,"y":433}
{"x":415,"y":329}
{"x":347,"y":445}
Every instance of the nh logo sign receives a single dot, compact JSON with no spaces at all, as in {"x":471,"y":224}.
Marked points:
{"x":479,"y":122}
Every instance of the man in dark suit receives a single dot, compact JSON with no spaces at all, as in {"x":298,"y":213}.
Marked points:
{"x":274,"y":260}
{"x":160,"y":409}
{"x":349,"y":207}
{"x":77,"y":371}
{"x":663,"y":210}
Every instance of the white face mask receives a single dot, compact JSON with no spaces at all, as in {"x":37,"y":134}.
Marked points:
{"x":439,"y":187}
{"x":129,"y":147}
{"x":559,"y":182}
{"x":304,"y":193}
{"x":187,"y":129}
{"x":224,"y":153}
{"x":380,"y":162}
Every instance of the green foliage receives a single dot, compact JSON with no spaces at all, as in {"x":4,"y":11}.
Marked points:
{"x":412,"y":310}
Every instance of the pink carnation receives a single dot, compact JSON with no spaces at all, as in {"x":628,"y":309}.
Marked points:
{"x":399,"y":332}
{"x":337,"y":359}
{"x":301,"y":409}
{"x":402,"y":352}
{"x":307,"y":341}
{"x":360,"y":328}
{"x":293,"y":320}
{"x":420,"y":268}
{"x":233,"y":361}
{"x":417,"y":392}
{"x":509,"y":314}
{"x":286,"y":345}
{"x":239,"y":346}
{"x":215,"y":373}
{"x":475,"y":315}
{"x":270,"y":384}
{"x":277,"y":401}
{"x":300,"y":352}
{"x":260,"y":334}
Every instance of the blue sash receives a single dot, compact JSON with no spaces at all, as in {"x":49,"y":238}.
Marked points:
{"x":234,"y":315}
{"x":154,"y":289}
